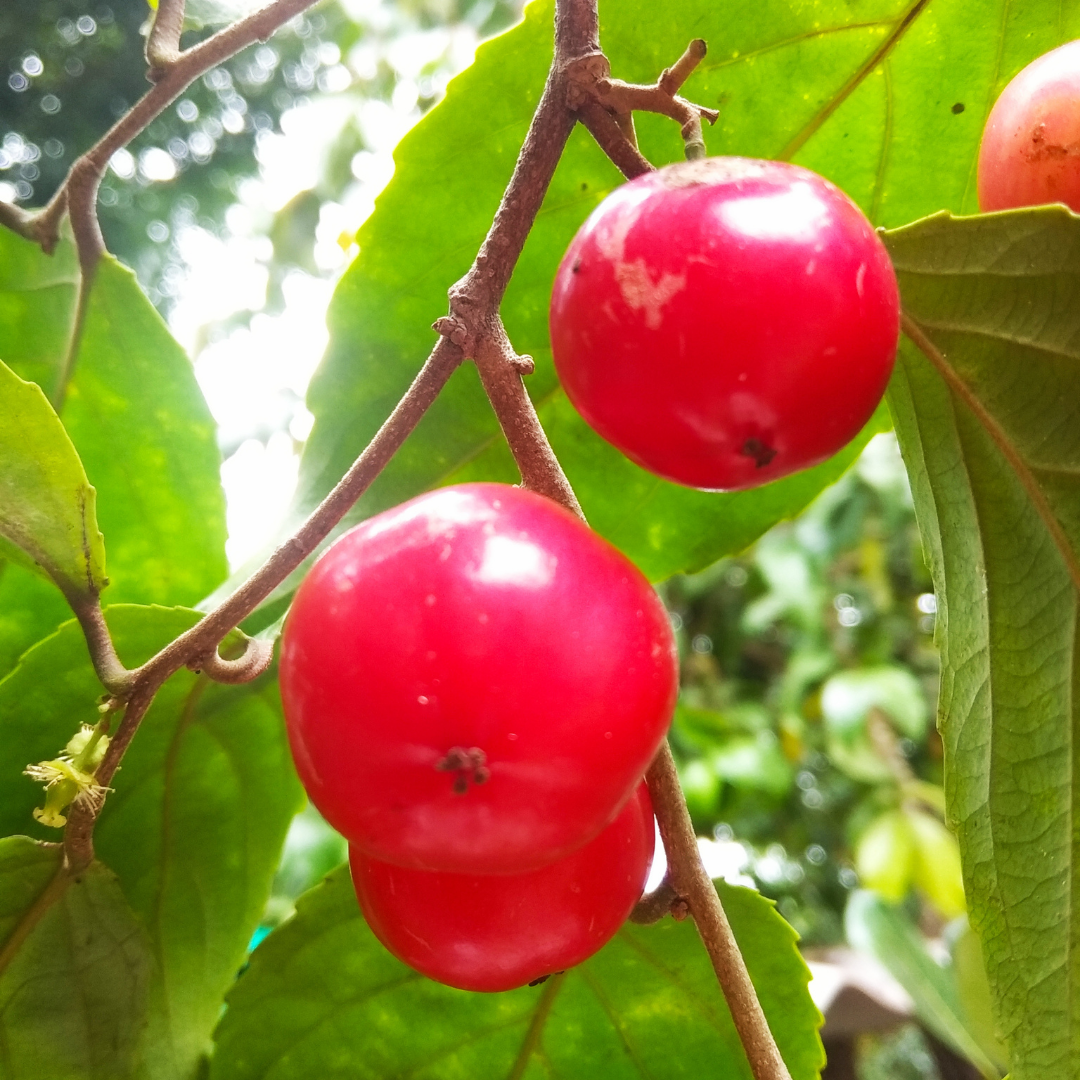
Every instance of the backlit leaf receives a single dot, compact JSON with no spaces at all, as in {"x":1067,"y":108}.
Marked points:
{"x":46,"y":503}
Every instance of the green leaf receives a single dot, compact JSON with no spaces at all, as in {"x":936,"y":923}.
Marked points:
{"x":133,"y":399}
{"x":194,"y":826}
{"x":988,"y":421}
{"x":74,"y":969}
{"x":864,"y":93}
{"x":46,"y":503}
{"x":884,"y":931}
{"x":129,"y":399}
{"x":38,"y":294}
{"x":974,"y":992}
{"x":322,"y":998}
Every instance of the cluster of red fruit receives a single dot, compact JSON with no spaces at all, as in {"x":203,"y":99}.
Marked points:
{"x":474,"y":685}
{"x":474,"y":682}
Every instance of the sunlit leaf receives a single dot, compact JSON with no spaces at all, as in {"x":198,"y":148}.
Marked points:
{"x":74,"y":969}
{"x":138,"y":422}
{"x":988,"y":417}
{"x":323,"y":999}
{"x":194,"y":826}
{"x":46,"y":503}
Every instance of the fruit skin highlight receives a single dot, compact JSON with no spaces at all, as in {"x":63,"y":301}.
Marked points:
{"x":1030,"y":150}
{"x":475,"y":682}
{"x":726,"y":322}
{"x":497,"y":932}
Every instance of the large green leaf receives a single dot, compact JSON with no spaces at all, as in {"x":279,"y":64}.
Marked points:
{"x":138,"y":422}
{"x":322,"y":998}
{"x":74,"y":969}
{"x":46,"y":503}
{"x":885,"y":97}
{"x":194,"y":827}
{"x":988,"y":418}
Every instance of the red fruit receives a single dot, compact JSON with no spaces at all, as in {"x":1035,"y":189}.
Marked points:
{"x":475,"y":681}
{"x":495,"y":932}
{"x":1030,"y":147}
{"x":726,"y":322}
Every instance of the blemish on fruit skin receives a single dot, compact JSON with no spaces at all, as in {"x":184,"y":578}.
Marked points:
{"x":430,"y":599}
{"x":641,"y":293}
{"x":636,"y":286}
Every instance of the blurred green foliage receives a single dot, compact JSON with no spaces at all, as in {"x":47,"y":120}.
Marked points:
{"x":809,"y":680}
{"x":69,"y":69}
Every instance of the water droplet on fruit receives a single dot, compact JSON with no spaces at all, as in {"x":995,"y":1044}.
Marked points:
{"x":423,"y":699}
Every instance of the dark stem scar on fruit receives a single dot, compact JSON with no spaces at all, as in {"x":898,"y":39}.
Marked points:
{"x":761,"y":452}
{"x":466,"y":765}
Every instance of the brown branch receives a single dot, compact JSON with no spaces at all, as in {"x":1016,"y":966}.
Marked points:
{"x":197,"y":642}
{"x":691,"y":882}
{"x":86,"y":173}
{"x":163,"y":44}
{"x":612,"y":139}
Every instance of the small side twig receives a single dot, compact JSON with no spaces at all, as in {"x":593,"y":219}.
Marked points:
{"x":255,"y":659}
{"x":663,"y":900}
{"x":591,"y":81}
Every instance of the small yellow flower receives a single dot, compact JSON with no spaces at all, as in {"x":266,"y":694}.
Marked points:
{"x":70,"y":777}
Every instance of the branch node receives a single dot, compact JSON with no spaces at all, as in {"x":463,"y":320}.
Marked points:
{"x":455,"y":330}
{"x":591,"y":92}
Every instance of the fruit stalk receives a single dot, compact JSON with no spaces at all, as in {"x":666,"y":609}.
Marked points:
{"x":693,"y":884}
